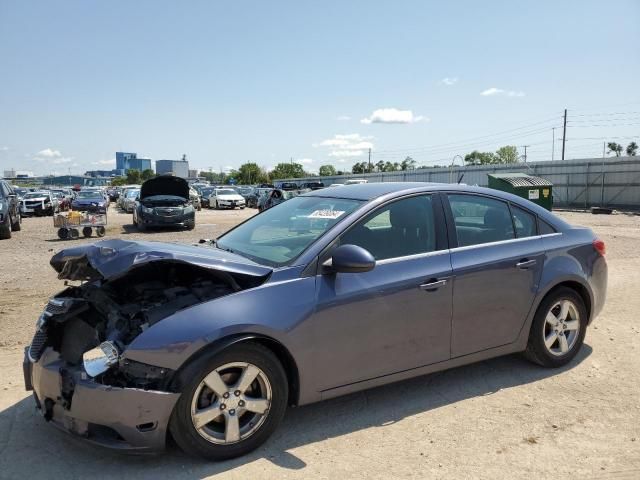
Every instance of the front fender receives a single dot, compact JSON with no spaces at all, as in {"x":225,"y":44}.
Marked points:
{"x":275,"y":310}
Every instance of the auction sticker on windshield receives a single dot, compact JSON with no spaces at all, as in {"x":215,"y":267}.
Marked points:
{"x":332,"y":214}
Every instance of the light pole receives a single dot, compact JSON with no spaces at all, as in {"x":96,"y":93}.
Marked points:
{"x":453,"y":161}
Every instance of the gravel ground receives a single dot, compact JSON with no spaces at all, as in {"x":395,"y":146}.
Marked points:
{"x":499,"y":419}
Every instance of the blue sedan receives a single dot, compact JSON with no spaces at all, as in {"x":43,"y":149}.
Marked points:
{"x":331,"y":292}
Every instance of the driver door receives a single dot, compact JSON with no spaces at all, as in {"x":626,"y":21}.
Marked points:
{"x":397,"y":316}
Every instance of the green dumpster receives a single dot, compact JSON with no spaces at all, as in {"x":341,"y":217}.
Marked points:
{"x":536,"y":189}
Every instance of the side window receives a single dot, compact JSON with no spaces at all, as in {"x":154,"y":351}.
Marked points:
{"x":545,"y":228}
{"x":405,"y":227}
{"x":480,"y":219}
{"x":524,"y":222}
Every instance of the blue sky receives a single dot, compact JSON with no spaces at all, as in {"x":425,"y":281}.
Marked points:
{"x":319,"y":82}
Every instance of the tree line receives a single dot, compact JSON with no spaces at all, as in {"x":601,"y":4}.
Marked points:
{"x":251,"y":173}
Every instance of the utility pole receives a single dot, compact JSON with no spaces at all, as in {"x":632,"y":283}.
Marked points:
{"x":564,"y":132}
{"x":525,"y":152}
{"x":553,"y":143}
{"x":370,"y":161}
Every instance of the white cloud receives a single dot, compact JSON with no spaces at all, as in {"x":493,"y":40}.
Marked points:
{"x":4,"y":149}
{"x":343,"y":118}
{"x":51,"y":156}
{"x":228,"y":168}
{"x":346,"y":145}
{"x":499,"y":91}
{"x":392,"y":115}
{"x":49,"y":153}
{"x":449,"y":81}
{"x":305,"y":161}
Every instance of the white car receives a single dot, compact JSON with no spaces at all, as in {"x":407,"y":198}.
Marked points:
{"x":226,"y":198}
{"x":355,"y":181}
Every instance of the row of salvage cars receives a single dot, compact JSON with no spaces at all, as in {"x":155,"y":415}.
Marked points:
{"x":331,"y":292}
{"x":17,"y":203}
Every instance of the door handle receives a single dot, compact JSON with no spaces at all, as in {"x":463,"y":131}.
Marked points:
{"x":433,"y":285}
{"x":524,"y":264}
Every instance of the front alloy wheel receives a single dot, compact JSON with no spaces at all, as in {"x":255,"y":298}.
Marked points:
{"x":231,"y":401}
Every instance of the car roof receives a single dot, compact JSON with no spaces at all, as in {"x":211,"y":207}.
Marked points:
{"x":372,"y":191}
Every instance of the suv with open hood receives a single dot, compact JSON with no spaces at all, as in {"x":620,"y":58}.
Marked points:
{"x":164,"y":201}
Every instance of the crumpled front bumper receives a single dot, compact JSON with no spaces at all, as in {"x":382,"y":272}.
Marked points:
{"x":118,"y":418}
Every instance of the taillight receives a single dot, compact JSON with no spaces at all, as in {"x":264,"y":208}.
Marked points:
{"x":599,"y":246}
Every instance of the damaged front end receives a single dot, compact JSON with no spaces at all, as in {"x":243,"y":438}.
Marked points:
{"x":75,"y":363}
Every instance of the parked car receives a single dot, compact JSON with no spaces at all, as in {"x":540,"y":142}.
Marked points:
{"x":114,"y":193}
{"x":276,"y":197}
{"x":312,"y":185}
{"x":64,"y":199}
{"x":39,"y":203}
{"x":245,"y":191}
{"x":355,"y":181}
{"x":254,"y":197}
{"x":89,"y":201}
{"x":10,"y":218}
{"x":205,"y":193}
{"x":329,"y":293}
{"x":20,"y":191}
{"x":164,"y":202}
{"x":287,"y":186}
{"x":226,"y":198}
{"x":129,"y":200}
{"x":194,"y":197}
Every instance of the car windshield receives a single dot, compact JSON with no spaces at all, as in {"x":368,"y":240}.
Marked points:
{"x":245,"y":190}
{"x":36,"y":195}
{"x":132,"y":193}
{"x":88,"y":194}
{"x":207,"y":191}
{"x":226,"y":191}
{"x":280,"y":234}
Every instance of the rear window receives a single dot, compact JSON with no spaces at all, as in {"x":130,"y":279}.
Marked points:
{"x":480,"y":220}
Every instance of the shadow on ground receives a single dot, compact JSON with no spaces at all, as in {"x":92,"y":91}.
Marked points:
{"x":24,"y":434}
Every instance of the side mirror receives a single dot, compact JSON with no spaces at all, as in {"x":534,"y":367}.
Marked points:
{"x":350,"y":259}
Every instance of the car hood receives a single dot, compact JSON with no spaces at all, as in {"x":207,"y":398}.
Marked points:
{"x":234,"y":196}
{"x":165,"y":185}
{"x":111,"y":258}
{"x":35,"y":199}
{"x":89,"y":200}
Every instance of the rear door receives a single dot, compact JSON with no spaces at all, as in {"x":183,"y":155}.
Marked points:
{"x":497,"y":263}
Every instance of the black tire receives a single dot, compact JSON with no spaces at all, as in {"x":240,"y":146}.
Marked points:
{"x":74,"y":233}
{"x":5,"y":231}
{"x":141,"y":226}
{"x":16,"y":226}
{"x":181,"y":425}
{"x":63,"y":233}
{"x":537,"y":351}
{"x":100,"y":231}
{"x":86,"y":232}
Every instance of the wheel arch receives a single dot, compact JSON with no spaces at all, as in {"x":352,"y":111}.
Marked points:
{"x":579,"y":287}
{"x":277,"y":348}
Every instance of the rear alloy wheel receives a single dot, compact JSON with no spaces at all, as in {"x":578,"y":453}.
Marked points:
{"x":232,"y":403}
{"x":16,"y":226}
{"x":558,"y":329}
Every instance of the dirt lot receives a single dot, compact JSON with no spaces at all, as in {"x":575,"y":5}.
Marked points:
{"x":503,"y":418}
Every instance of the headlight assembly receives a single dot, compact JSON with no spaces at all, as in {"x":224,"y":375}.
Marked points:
{"x":147,"y":210}
{"x":100,"y":359}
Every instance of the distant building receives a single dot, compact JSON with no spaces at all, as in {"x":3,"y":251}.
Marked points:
{"x":17,"y":174}
{"x":71,"y":180}
{"x":177,"y":168}
{"x":130,"y":161}
{"x":101,"y":173}
{"x":193,"y":173}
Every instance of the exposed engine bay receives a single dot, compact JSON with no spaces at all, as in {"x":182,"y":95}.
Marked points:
{"x":115,"y":311}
